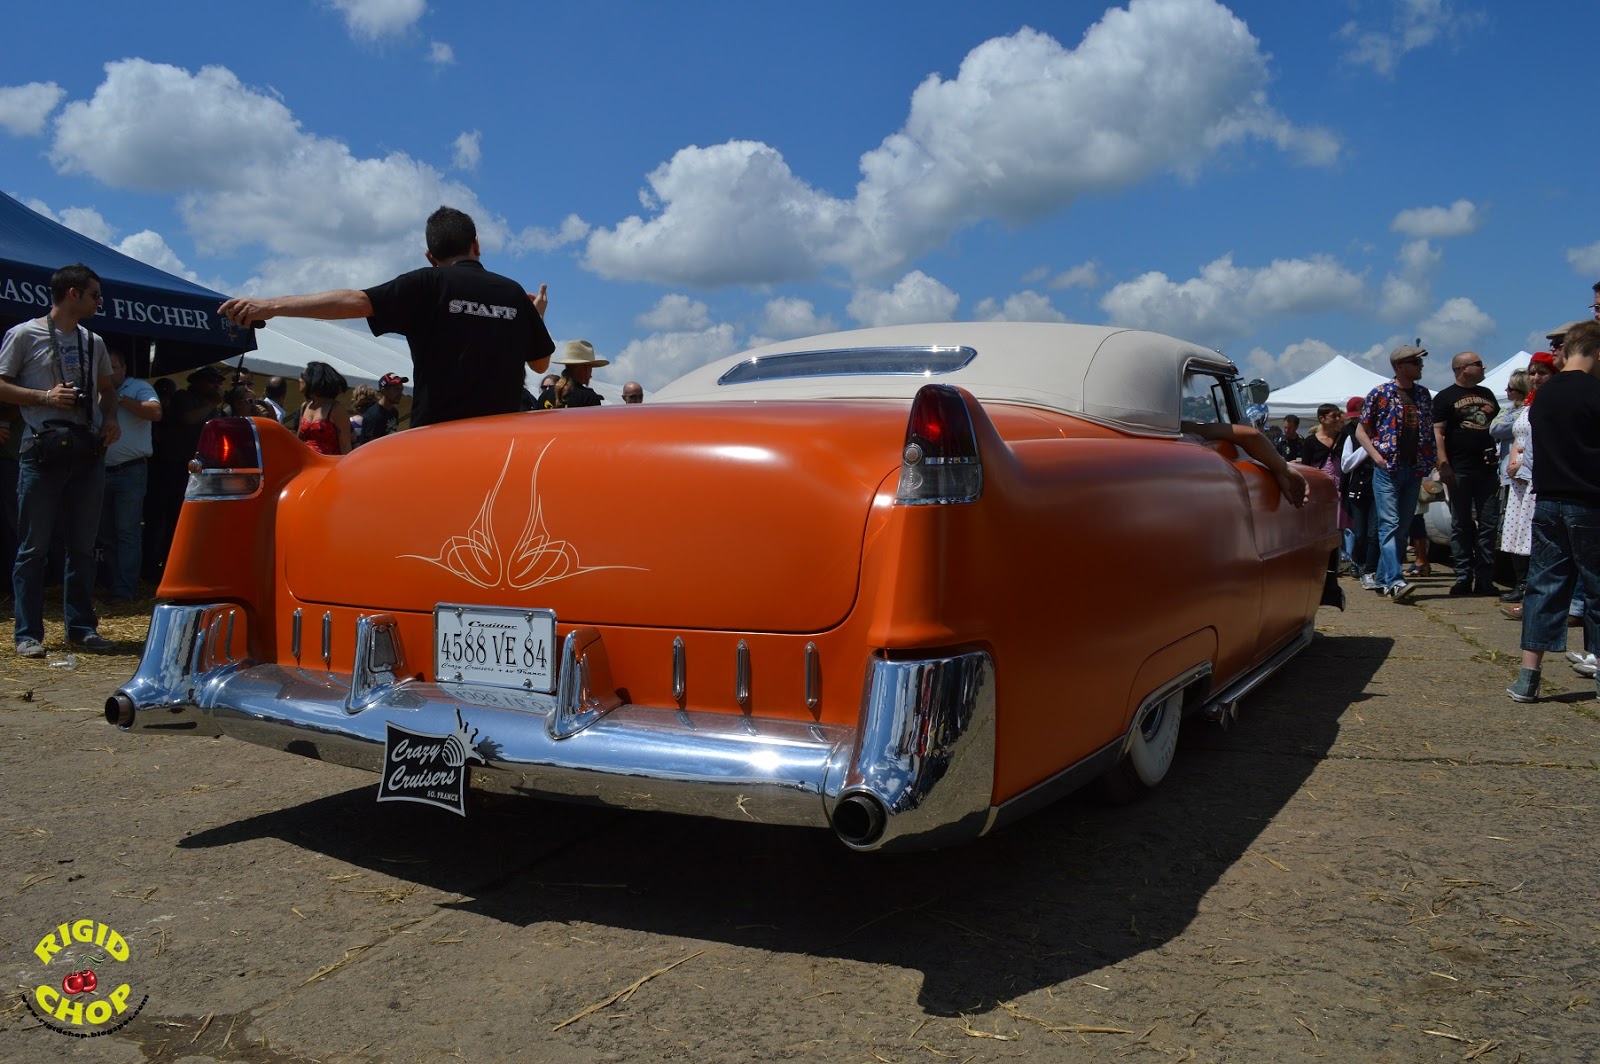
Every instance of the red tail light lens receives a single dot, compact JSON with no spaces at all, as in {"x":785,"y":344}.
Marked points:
{"x":228,"y":443}
{"x":227,"y":464}
{"x":940,"y":462}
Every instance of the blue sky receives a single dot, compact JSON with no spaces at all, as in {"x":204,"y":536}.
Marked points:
{"x":1283,"y":181}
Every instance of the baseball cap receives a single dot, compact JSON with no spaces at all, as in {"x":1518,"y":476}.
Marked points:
{"x":1405,"y":351}
{"x":1354,"y":405}
{"x":393,"y":378}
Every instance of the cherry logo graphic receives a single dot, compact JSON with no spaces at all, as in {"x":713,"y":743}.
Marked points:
{"x":83,"y":982}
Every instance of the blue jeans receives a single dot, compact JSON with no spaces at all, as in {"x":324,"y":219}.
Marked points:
{"x":122,"y":530}
{"x":48,"y":501}
{"x":1566,"y":555}
{"x":1394,"y":493}
{"x":1362,"y":535}
{"x":1474,"y":524}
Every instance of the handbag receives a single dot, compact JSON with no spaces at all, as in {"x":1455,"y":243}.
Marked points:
{"x":64,"y":444}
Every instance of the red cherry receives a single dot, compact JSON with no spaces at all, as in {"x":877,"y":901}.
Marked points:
{"x":89,"y":981}
{"x":73,"y":983}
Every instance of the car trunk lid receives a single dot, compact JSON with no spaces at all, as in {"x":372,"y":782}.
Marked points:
{"x":745,"y":516}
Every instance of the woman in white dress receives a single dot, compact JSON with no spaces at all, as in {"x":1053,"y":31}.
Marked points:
{"x":1516,"y":527}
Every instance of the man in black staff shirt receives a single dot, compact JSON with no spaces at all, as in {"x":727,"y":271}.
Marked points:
{"x":471,"y":331}
{"x":1566,"y":519}
{"x":1469,"y":466}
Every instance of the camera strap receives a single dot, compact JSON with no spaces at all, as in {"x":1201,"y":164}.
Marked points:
{"x":58,"y":360}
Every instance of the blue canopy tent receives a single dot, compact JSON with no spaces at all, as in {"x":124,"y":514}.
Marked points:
{"x":143,"y":305}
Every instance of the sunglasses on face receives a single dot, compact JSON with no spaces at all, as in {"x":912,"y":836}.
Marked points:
{"x":1413,"y":362}
{"x":1469,"y":365}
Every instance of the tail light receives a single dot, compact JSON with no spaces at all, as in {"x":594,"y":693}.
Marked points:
{"x":940,"y":461}
{"x":227,"y":464}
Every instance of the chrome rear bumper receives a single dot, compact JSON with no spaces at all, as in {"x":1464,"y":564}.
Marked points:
{"x":916,"y":771}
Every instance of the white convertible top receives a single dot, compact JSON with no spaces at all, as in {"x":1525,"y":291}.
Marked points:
{"x":1124,"y":377}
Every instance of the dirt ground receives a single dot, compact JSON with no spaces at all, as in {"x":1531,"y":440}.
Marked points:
{"x":1386,"y":860}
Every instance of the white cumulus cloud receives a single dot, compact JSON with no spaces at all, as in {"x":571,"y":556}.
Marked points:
{"x":369,"y":20}
{"x":246,"y":173}
{"x":1585,"y":259}
{"x":676,"y":313}
{"x":1413,"y":24}
{"x":666,"y":356}
{"x":1083,"y":275}
{"x":467,"y":151}
{"x":787,"y":317}
{"x":1026,"y":305}
{"x":914,"y":299}
{"x":1457,"y":325}
{"x":1437,"y":223}
{"x":25,"y":108}
{"x":1299,"y":359}
{"x":1226,"y":301}
{"x":571,"y":230}
{"x":441,"y":54}
{"x":1408,"y":288}
{"x":1024,"y":129}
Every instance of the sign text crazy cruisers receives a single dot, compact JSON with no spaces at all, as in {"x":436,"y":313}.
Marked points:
{"x":481,"y":310}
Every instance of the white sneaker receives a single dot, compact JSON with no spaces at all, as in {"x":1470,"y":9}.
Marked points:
{"x":1369,"y":582}
{"x":1587,"y":667}
{"x":1575,"y":656}
{"x":1401,"y":591}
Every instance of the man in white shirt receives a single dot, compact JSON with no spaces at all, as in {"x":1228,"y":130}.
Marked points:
{"x":127,"y":474}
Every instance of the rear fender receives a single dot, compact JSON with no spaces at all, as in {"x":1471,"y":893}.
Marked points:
{"x":225,"y":550}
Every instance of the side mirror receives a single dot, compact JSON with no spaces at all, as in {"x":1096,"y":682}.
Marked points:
{"x":1258,"y":390}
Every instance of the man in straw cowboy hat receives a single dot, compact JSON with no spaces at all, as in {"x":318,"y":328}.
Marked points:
{"x":471,"y":331}
{"x":578,"y":364}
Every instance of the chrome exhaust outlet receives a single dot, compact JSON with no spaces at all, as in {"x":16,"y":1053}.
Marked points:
{"x":120,"y":710}
{"x":859,"y":820}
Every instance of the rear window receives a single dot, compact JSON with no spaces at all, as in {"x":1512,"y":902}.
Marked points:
{"x":854,"y":362}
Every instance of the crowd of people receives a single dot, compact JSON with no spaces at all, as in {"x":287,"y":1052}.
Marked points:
{"x":98,"y":460}
{"x":1386,"y":449}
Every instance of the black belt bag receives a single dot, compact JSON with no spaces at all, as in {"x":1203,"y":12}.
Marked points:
{"x":64,"y":444}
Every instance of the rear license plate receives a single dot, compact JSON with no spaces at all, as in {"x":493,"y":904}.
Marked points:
{"x":495,"y":646}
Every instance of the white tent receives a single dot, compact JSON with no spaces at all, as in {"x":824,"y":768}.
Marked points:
{"x":1335,"y":382}
{"x":1496,"y":378}
{"x":285,"y":345}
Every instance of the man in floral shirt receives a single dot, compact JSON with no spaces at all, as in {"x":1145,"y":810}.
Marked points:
{"x":1396,"y":431}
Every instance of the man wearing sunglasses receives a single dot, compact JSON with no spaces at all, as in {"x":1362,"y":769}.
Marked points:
{"x":1462,"y":413}
{"x":1396,"y":431}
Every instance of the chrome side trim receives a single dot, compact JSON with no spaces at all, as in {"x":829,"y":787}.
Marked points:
{"x":922,"y":772}
{"x":679,"y":669}
{"x":327,"y":639}
{"x":294,"y":634}
{"x":741,"y":673}
{"x":813,"y":676}
{"x":1223,"y":706}
{"x":1161,"y":694}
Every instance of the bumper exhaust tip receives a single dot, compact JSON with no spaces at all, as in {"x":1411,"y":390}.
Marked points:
{"x":859,"y":821}
{"x":119,"y":710}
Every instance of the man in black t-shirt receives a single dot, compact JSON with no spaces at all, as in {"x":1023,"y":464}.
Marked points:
{"x":383,"y":417}
{"x":1469,"y":468}
{"x":1566,"y":520}
{"x":471,"y":331}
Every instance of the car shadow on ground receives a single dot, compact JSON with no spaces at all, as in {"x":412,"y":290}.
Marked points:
{"x":1069,"y":890}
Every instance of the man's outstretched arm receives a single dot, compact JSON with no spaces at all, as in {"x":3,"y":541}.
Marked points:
{"x":331,"y":305}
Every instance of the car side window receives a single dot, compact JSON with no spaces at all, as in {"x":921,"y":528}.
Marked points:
{"x":1205,"y":398}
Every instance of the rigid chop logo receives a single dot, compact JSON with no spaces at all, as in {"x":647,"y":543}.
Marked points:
{"x":431,"y":769}
{"x":86,"y":991}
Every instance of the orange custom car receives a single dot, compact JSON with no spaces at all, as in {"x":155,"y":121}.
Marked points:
{"x":901,"y":583}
